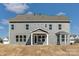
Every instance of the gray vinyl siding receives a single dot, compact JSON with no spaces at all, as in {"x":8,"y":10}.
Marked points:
{"x":20,"y":29}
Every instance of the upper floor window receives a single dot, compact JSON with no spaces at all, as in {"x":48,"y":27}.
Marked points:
{"x":50,"y":26}
{"x":45,"y":25}
{"x":27,"y":26}
{"x":59,"y":26}
{"x":12,"y":27}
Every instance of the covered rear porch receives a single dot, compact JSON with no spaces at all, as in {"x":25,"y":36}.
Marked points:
{"x":39,"y":37}
{"x":62,"y":37}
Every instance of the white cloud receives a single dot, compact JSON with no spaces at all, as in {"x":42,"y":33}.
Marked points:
{"x":60,"y":13}
{"x":29,"y":12}
{"x":4,"y":21}
{"x":18,"y":8}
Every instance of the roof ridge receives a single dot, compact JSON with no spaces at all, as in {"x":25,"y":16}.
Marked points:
{"x":39,"y":17}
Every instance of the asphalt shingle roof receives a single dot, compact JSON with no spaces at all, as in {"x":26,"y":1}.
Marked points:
{"x":39,"y":18}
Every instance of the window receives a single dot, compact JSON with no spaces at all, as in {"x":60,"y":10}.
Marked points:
{"x":16,"y":38}
{"x":43,"y":38}
{"x":59,"y":27}
{"x":50,"y":26}
{"x":27,"y":26}
{"x":24,"y":38}
{"x":12,"y":26}
{"x":45,"y":25}
{"x":63,"y":37}
{"x":20,"y":38}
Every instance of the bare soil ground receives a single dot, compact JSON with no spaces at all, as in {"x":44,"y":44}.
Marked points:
{"x":39,"y":50}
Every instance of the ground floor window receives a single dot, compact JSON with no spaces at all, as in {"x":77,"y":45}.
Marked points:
{"x":61,"y":38}
{"x":17,"y":38}
{"x":24,"y":38}
{"x":20,"y":38}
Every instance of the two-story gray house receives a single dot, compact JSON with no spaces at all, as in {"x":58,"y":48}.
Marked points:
{"x":39,"y":30}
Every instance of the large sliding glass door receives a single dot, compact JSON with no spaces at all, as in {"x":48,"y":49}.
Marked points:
{"x":58,"y":40}
{"x":39,"y":38}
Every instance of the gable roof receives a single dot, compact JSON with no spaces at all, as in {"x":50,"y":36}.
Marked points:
{"x":32,"y":17}
{"x":62,"y":32}
{"x":40,"y":30}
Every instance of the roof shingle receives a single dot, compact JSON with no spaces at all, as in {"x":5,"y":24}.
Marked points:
{"x":39,"y":18}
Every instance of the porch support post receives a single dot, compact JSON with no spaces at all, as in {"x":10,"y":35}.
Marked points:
{"x":65,"y":39}
{"x":60,"y":39}
{"x":47,"y":39}
{"x":31,"y":39}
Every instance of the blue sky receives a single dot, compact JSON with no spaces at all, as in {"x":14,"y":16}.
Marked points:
{"x":8,"y":11}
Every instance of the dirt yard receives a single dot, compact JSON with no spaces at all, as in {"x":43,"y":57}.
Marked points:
{"x":50,"y":50}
